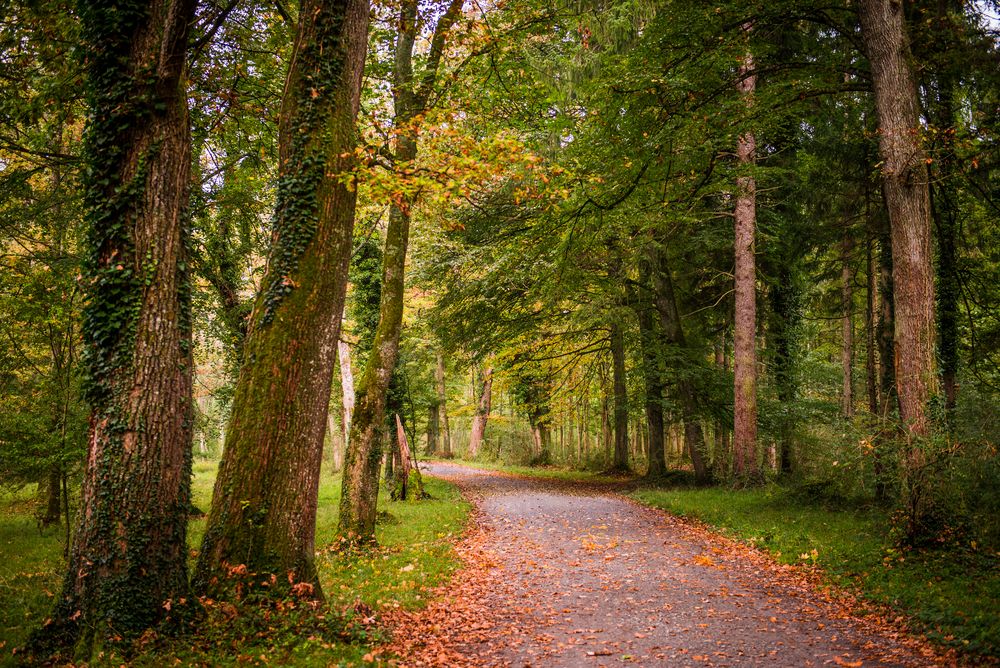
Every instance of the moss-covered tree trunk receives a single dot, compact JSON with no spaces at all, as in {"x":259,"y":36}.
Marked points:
{"x":359,"y":494}
{"x":129,"y":554}
{"x":264,"y":507}
{"x":907,"y":196}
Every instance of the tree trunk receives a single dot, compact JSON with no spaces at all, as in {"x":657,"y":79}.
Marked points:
{"x":871,"y":377}
{"x":905,"y":183}
{"x":621,"y":397}
{"x":129,"y":554}
{"x":346,"y":388}
{"x":745,"y":464}
{"x":482,"y":415}
{"x":264,"y":507}
{"x":442,"y":397}
{"x":723,"y":456}
{"x":847,"y":328}
{"x":886,"y":325}
{"x":53,"y":497}
{"x":665,"y":300}
{"x":433,"y":420}
{"x":359,"y":493}
{"x":652,"y":376}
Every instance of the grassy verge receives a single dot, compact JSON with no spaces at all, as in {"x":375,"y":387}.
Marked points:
{"x":952,"y":594}
{"x":551,"y":472}
{"x":414,"y":555}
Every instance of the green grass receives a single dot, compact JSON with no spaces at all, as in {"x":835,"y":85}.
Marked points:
{"x":953,"y":594}
{"x":552,"y":472}
{"x":414,"y":555}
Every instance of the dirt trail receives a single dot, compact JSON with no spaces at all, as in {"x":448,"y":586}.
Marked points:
{"x":561,"y":574}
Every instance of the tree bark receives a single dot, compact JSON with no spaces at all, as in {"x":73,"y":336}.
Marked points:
{"x":905,"y":183}
{"x":264,"y":507}
{"x":482,"y":415}
{"x":442,"y":397}
{"x":129,"y":553}
{"x":621,"y":397}
{"x":745,"y":464}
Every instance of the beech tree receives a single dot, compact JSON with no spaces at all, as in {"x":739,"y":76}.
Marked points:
{"x":263,"y":513}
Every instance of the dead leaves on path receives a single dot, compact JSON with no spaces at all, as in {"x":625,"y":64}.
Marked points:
{"x":459,"y":616}
{"x":487,"y":611}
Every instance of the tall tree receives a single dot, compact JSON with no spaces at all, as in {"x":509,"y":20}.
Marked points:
{"x":129,"y":553}
{"x":665,"y":301}
{"x":907,"y":196}
{"x":263,"y":510}
{"x":411,"y":96}
{"x":745,"y":321}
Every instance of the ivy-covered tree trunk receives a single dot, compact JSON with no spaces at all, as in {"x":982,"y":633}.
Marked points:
{"x":264,"y":507}
{"x":723,"y":456}
{"x":359,"y":493}
{"x":621,"y":398}
{"x":905,"y":184}
{"x":745,"y":464}
{"x":129,"y":553}
{"x":482,"y":416}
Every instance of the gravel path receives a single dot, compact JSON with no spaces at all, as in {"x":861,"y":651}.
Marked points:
{"x":579,"y":576}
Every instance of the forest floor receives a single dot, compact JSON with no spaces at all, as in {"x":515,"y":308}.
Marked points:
{"x":570,"y":573}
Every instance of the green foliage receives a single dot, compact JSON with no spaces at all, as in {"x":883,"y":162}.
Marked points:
{"x":366,"y":292}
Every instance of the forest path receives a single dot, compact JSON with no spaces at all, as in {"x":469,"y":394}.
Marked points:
{"x":569,"y":574}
